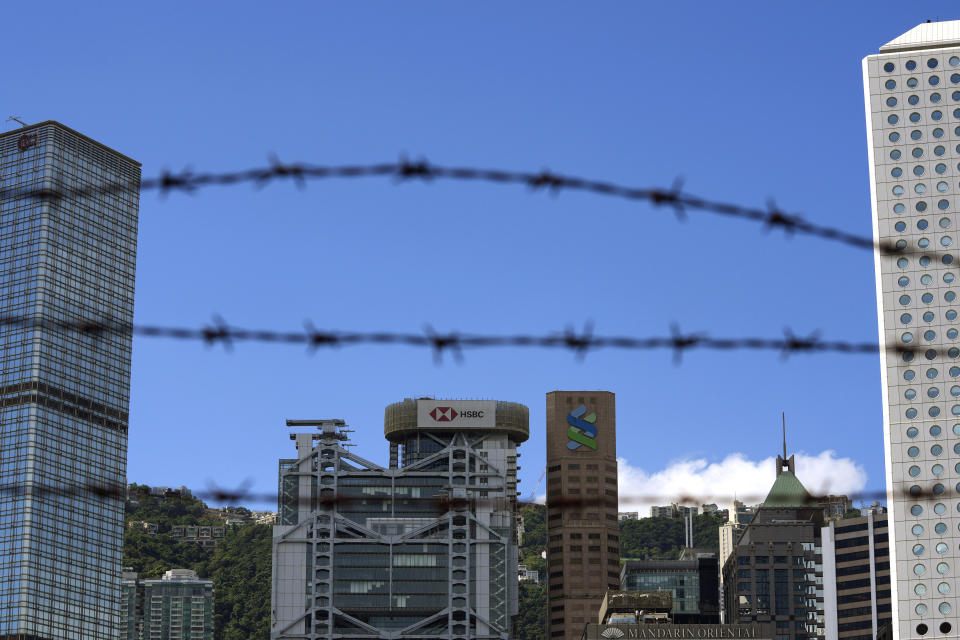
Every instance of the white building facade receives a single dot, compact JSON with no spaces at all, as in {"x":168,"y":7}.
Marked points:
{"x":912,"y":94}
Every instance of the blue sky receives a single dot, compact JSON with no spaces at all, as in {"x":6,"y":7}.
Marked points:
{"x":746,"y":102}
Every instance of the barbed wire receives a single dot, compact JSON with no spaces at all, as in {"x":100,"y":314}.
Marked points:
{"x":243,"y":494}
{"x":455,"y":342}
{"x":673,"y":198}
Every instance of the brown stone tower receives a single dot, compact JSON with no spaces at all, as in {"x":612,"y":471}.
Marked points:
{"x":583,"y":534}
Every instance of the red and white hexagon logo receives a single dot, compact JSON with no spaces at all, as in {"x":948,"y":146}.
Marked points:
{"x":443,"y":414}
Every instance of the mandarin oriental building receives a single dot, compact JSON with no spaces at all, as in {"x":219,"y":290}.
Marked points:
{"x":583,"y":530}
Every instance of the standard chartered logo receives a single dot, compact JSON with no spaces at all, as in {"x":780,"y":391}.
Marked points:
{"x":581,"y":431}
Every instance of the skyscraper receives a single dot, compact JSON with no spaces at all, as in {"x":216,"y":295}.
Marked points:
{"x":64,"y":394}
{"x":583,"y":532}
{"x":423,"y":549}
{"x":775,"y":572}
{"x":912,"y":93}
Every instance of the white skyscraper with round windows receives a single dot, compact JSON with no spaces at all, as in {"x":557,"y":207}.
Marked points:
{"x":912,"y":92}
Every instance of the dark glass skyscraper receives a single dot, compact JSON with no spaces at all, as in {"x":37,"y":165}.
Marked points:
{"x":64,"y":394}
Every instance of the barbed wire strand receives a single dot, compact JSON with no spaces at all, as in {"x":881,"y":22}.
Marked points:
{"x":243,"y":494}
{"x":454,"y":342}
{"x":674,"y":198}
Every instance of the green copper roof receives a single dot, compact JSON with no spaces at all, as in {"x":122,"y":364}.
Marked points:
{"x":787,"y":491}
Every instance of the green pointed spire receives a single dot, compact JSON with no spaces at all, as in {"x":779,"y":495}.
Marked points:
{"x":787,"y":491}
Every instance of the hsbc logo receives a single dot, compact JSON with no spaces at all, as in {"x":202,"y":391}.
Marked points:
{"x":444,"y":414}
{"x":449,"y":414}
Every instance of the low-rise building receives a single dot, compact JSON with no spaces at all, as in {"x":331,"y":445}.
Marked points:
{"x":628,"y":515}
{"x":203,"y":535}
{"x":527,"y":575}
{"x":673,"y":511}
{"x":834,"y":507}
{"x":692,"y":581}
{"x":150,"y":528}
{"x":177,"y":607}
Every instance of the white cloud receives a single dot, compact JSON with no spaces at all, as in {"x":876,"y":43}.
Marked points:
{"x":697,"y":481}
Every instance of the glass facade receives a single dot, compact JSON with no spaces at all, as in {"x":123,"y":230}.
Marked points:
{"x":63,"y":394}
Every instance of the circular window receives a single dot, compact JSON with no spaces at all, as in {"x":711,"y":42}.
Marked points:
{"x":950,"y":296}
{"x":902,"y":262}
{"x":917,"y":170}
{"x":937,"y":150}
{"x":951,"y":333}
{"x":941,"y":548}
{"x":938,"y":133}
{"x":937,"y":469}
{"x":913,"y":452}
{"x":936,"y":115}
{"x":944,"y":222}
{"x":955,"y":390}
{"x":919,"y":569}
{"x":947,"y":259}
{"x":936,"y":450}
{"x":916,"y":134}
{"x":920,"y":589}
{"x":940,"y":528}
{"x":944,"y":607}
{"x":895,"y":154}
{"x":955,"y":78}
{"x":904,"y":300}
{"x":951,"y":314}
{"x":927,"y":298}
{"x":911,"y":65}
{"x":917,"y":529}
{"x":917,"y":509}
{"x":921,"y":206}
{"x":898,"y":208}
{"x":931,"y":374}
{"x":906,"y":318}
{"x":932,"y":80}
{"x":940,"y":168}
{"x":911,"y":413}
{"x":935,"y":98}
{"x":900,"y":225}
{"x":903,"y":281}
{"x":945,"y":627}
{"x":939,"y":508}
{"x":914,"y":471}
{"x":943,"y":205}
{"x":926,"y":278}
{"x":943,"y":568}
{"x":921,"y":629}
{"x":955,"y":371}
{"x":918,"y":549}
{"x":935,"y":431}
{"x":911,"y":82}
{"x":888,"y":67}
{"x":914,"y":117}
{"x":942,"y":188}
{"x":896,"y":172}
{"x":920,"y":188}
{"x":938,"y":489}
{"x":923,"y":243}
{"x":912,"y":432}
{"x":907,"y":356}
{"x":920,"y":609}
{"x":930,"y":354}
{"x":913,"y":99}
{"x":953,"y":352}
{"x":933,"y":412}
{"x":898,"y":190}
{"x":943,"y":587}
{"x":946,"y":241}
{"x":894,"y":136}
{"x":932,"y":63}
{"x":908,"y":374}
{"x":910,"y":394}
{"x":954,"y":61}
{"x":929,"y":335}
{"x":891,"y":84}
{"x":948,"y":277}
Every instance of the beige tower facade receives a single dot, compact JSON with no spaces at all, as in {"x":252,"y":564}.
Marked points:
{"x":583,"y":533}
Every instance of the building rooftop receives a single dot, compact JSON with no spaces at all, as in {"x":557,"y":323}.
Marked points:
{"x":929,"y":35}
{"x":787,"y":491}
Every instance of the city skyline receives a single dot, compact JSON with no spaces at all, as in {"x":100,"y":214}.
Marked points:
{"x":272,"y":257}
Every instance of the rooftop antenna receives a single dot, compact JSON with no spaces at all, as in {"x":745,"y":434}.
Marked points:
{"x":783,"y":416}
{"x":17,"y":119}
